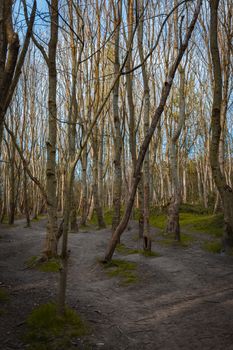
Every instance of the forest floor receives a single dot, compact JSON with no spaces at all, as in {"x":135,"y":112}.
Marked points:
{"x":181,"y":299}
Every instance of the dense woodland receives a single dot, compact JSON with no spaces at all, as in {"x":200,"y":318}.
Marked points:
{"x":118,"y":106}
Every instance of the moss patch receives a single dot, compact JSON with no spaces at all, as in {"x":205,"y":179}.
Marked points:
{"x":122,"y":249}
{"x":212,"y":246}
{"x":184,"y":242}
{"x":203,"y":223}
{"x":158,"y":221}
{"x":4,"y":296}
{"x":210,"y":224}
{"x":52,"y":265}
{"x":123,"y":269}
{"x":38,"y":218}
{"x":46,"y":330}
{"x":149,"y":254}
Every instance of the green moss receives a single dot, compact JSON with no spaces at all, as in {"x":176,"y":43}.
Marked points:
{"x":107,"y":218}
{"x":205,"y":223}
{"x":123,"y":269}
{"x":158,"y":221}
{"x":168,"y":239}
{"x":212,"y":246}
{"x":210,"y":224}
{"x":122,"y":249}
{"x":38,"y":218}
{"x":193,"y":209}
{"x":52,"y":265}
{"x":46,"y":330}
{"x":149,"y":254}
{"x":4,"y":296}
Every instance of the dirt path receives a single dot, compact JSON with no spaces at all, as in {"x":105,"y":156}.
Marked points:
{"x":183,"y":299}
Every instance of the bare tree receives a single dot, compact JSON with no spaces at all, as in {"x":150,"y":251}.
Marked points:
{"x":224,"y":189}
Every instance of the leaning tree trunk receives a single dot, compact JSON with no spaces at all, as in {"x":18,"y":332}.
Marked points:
{"x":159,"y":110}
{"x":224,"y":189}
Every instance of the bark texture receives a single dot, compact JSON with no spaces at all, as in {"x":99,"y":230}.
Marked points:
{"x":224,"y":189}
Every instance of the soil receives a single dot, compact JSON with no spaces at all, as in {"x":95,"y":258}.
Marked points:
{"x":182,"y":300}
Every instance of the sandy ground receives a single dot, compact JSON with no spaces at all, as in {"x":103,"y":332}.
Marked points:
{"x":183,"y":299}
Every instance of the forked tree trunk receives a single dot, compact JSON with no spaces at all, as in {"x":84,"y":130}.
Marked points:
{"x":224,"y":189}
{"x":137,"y":174}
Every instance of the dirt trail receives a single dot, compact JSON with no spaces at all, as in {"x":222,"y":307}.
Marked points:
{"x":183,"y":299}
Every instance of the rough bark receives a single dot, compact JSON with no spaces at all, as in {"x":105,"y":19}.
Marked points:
{"x":117,"y":181}
{"x":224,"y":189}
{"x":173,"y":225}
{"x":50,"y":248}
{"x":146,"y":169}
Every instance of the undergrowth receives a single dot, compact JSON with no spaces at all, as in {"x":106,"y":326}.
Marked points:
{"x":122,"y":249}
{"x":52,"y":265}
{"x":4,"y":296}
{"x":4,"y":299}
{"x":213,"y":246}
{"x":204,"y":223}
{"x":123,"y":269}
{"x":168,"y":239}
{"x":46,"y":330}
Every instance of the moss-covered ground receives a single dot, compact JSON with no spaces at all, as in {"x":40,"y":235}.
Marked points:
{"x":52,"y":265}
{"x":47,"y":330}
{"x":123,"y":269}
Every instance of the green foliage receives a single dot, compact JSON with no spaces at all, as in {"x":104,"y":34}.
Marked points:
{"x":123,"y":269}
{"x":46,"y":330}
{"x":52,"y":265}
{"x":212,"y":246}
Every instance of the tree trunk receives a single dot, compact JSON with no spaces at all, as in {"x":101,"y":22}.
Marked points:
{"x":117,"y":181}
{"x":26,"y":204}
{"x":50,"y":249}
{"x":224,"y":189}
{"x":146,"y":175}
{"x":173,"y":225}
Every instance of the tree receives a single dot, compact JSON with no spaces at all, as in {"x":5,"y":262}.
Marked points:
{"x":224,"y":189}
{"x":159,"y":110}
